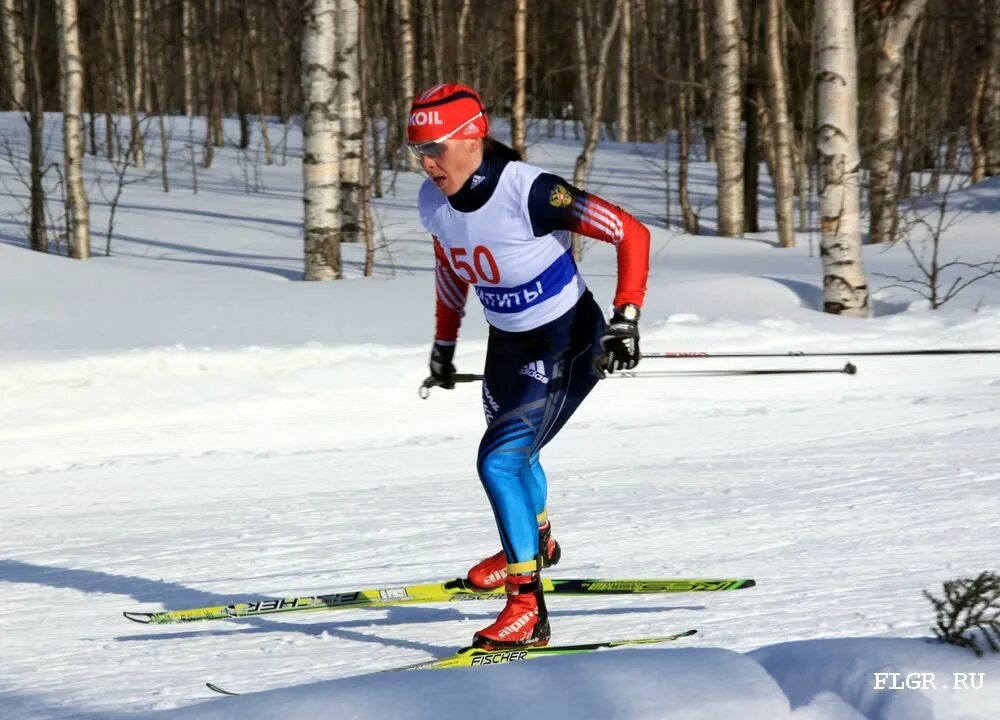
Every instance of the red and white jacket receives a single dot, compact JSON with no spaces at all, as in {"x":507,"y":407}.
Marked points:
{"x":515,"y":249}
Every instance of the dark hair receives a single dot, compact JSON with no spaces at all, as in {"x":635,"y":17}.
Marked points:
{"x":494,"y":147}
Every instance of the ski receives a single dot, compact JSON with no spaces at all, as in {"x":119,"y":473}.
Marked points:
{"x":458,"y":589}
{"x":222,"y":691}
{"x":476,"y":657}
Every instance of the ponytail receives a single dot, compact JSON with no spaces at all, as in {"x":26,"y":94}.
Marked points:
{"x":492,"y":146}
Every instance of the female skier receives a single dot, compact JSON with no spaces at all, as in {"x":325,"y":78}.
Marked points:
{"x":503,"y":227}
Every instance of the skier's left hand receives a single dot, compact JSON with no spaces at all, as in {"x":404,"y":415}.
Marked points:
{"x":620,"y":341}
{"x":442,"y":365}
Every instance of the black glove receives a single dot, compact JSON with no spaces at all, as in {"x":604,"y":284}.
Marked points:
{"x":442,"y":367}
{"x":621,"y":340}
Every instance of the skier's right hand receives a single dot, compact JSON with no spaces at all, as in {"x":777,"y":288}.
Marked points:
{"x":442,"y":367}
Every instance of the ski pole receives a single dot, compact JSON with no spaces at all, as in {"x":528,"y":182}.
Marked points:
{"x":847,"y":369}
{"x":796,"y":353}
{"x":425,"y":387}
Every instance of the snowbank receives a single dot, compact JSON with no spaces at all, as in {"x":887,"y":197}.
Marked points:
{"x":887,"y":678}
{"x":641,"y":684}
{"x":843,"y":679}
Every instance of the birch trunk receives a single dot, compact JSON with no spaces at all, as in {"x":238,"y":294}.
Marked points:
{"x":912,"y":137}
{"x":137,"y":151}
{"x":139,"y":94}
{"x":781,"y":126}
{"x":643,"y":117}
{"x":108,"y":81}
{"x":992,"y":93}
{"x":754,"y":112}
{"x":806,"y":157}
{"x":36,"y":122}
{"x":517,"y":129}
{"x":367,"y":221}
{"x":188,"y":58}
{"x":238,"y":87}
{"x":352,"y":125}
{"x":582,"y":62}
{"x":434,"y":22}
{"x":684,"y":152}
{"x":253,"y":58}
{"x":204,"y":60}
{"x":71,"y":69}
{"x":624,"y":65}
{"x":407,"y":60}
{"x":13,"y":53}
{"x":895,"y":24}
{"x":686,"y":60}
{"x":976,"y":149}
{"x":583,"y":160}
{"x":216,"y":68}
{"x":845,"y":289}
{"x":462,"y":40}
{"x":320,"y":131}
{"x":704,"y":63}
{"x":727,"y":89}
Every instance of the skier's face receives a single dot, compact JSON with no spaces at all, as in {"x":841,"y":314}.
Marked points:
{"x":450,"y":168}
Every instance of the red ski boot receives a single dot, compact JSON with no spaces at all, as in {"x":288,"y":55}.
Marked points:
{"x":524,"y":621}
{"x":492,"y":572}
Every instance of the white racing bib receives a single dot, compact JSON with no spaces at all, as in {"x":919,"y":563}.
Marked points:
{"x":521,"y":280}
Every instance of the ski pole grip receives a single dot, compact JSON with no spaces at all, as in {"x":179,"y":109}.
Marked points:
{"x":425,"y":388}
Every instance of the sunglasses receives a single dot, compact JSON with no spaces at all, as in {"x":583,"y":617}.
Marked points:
{"x":436,"y":148}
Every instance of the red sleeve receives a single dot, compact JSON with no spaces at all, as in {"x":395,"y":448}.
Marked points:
{"x":451,"y":292}
{"x":597,"y":218}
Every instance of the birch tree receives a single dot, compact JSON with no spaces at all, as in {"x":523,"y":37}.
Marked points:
{"x":517,"y":129}
{"x":780,"y":126}
{"x":38,"y":232}
{"x":583,"y":160}
{"x":367,"y":222}
{"x":728,"y":98}
{"x":754,"y":111}
{"x":582,"y":86}
{"x":461,"y":39}
{"x":320,"y":140}
{"x":845,"y":289}
{"x":976,"y":149}
{"x":352,"y":125}
{"x":705,"y":72}
{"x":137,"y":148}
{"x":407,"y":67}
{"x":582,"y":167}
{"x":992,"y":91}
{"x":896,"y":20}
{"x":685,"y":58}
{"x":187,"y":56}
{"x":256,"y":71}
{"x":140,"y":94}
{"x":624,"y":103}
{"x":71,"y":69}
{"x":13,"y":53}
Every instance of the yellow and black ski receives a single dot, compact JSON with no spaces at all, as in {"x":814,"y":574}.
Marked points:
{"x":475,"y":657}
{"x":440,"y":592}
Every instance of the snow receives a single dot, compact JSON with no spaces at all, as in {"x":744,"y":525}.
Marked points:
{"x":184,"y":423}
{"x":925,"y":677}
